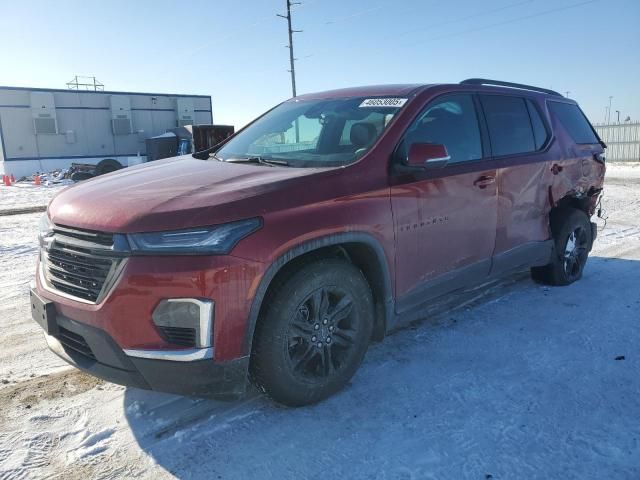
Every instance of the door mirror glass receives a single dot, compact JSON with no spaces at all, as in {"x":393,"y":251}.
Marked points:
{"x":428,"y":155}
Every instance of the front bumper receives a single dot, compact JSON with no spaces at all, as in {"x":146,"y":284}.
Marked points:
{"x":92,"y":350}
{"x":125,"y":314}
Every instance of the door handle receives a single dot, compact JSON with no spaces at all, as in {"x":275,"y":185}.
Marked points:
{"x":484,"y":181}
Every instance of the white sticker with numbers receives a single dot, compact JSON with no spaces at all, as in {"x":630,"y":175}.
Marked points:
{"x":383,"y":102}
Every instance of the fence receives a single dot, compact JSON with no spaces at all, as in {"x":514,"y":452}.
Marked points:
{"x":623,"y":141}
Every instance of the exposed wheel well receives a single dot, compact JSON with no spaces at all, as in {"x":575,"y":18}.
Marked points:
{"x":574,"y":202}
{"x":567,"y":203}
{"x":362,"y":256}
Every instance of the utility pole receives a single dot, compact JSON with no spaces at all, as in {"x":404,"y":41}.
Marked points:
{"x":567,"y":93}
{"x":292,"y":59}
{"x":618,"y":112}
{"x":609,"y":117}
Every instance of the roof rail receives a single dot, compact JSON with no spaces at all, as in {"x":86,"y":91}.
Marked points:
{"x":498,"y":83}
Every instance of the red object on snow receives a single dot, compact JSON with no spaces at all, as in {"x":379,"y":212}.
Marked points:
{"x":6,"y":180}
{"x":13,"y":179}
{"x":36,"y":180}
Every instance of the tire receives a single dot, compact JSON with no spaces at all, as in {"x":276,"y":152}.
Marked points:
{"x":107,"y":166}
{"x":79,"y":176}
{"x":314,"y":334}
{"x":572,"y":243}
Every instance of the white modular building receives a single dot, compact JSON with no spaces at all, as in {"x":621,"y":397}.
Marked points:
{"x":46,"y":129}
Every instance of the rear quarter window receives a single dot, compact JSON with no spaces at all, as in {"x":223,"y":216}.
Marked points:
{"x":540,"y":133}
{"x":574,"y":122}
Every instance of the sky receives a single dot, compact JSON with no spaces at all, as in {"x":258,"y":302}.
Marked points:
{"x":236,"y":51}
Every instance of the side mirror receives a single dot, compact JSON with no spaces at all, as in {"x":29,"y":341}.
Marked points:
{"x":428,"y":155}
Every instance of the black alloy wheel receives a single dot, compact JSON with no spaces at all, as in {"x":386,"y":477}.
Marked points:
{"x":322,"y":332}
{"x":313,"y":333}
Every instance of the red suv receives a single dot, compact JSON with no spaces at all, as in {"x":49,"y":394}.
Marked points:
{"x":327,"y":222}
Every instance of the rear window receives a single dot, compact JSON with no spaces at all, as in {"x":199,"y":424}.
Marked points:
{"x":574,"y":122}
{"x":509,"y":125}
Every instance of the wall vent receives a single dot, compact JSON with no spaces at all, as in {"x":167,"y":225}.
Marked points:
{"x":43,"y":112}
{"x":121,"y":115}
{"x":121,"y":126}
{"x":184,"y":111}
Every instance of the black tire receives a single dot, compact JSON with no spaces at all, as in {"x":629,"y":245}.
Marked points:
{"x":314,"y":334}
{"x":571,"y":231}
{"x":79,"y":176}
{"x":107,"y":166}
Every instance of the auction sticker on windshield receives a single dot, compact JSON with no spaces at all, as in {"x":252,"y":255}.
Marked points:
{"x":383,"y":102}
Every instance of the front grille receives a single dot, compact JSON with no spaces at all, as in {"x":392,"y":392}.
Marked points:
{"x":101,"y":238}
{"x":75,"y":342}
{"x":80,"y":263}
{"x":185,"y":337}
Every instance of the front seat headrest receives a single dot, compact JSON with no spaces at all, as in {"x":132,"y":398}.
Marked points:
{"x":362,"y":134}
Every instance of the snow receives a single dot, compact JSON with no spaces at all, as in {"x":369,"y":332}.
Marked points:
{"x":26,"y":194}
{"x":518,"y":381}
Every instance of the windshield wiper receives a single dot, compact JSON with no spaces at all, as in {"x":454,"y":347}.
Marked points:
{"x":260,"y":160}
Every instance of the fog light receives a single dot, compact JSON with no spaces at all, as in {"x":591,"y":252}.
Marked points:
{"x":187,"y":322}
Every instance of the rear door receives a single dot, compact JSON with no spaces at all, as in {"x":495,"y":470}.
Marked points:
{"x":445,"y":219}
{"x":519,"y":143}
{"x":576,"y":168}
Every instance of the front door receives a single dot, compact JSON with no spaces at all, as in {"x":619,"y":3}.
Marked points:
{"x":445,"y":219}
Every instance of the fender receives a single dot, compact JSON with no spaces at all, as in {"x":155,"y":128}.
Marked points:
{"x":310,"y":246}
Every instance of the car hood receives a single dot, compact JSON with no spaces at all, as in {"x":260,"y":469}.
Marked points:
{"x":175,"y":193}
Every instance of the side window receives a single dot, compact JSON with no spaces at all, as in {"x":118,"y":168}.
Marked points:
{"x":540,"y":133}
{"x":452,"y":122}
{"x":509,"y":125}
{"x":574,"y":122}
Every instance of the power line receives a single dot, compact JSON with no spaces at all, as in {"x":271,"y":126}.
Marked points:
{"x":353,"y":15}
{"x":506,"y":22}
{"x":468,"y":17}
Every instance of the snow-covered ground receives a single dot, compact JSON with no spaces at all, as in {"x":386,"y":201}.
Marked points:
{"x":520,"y":381}
{"x":26,"y":194}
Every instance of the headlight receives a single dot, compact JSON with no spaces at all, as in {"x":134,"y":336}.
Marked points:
{"x":218,"y":239}
{"x":45,"y":229}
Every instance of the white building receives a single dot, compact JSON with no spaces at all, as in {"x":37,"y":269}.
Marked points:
{"x":45,"y":129}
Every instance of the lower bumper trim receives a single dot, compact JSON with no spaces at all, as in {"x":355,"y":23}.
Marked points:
{"x":197,"y":375}
{"x":129,"y":378}
{"x":187,"y":355}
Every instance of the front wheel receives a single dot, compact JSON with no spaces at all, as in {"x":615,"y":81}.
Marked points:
{"x":572,"y":242}
{"x":314,"y":334}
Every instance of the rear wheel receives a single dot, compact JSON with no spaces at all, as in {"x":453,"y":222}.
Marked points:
{"x":315,"y":333}
{"x":572,"y":241}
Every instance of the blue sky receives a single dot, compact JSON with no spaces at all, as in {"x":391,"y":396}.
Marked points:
{"x":234,"y":51}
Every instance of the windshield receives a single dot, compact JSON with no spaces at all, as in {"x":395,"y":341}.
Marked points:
{"x":314,"y":133}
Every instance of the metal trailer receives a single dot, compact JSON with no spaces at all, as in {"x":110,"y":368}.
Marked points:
{"x":44,"y":129}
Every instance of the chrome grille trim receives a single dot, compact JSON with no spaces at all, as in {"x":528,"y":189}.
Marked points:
{"x":80,"y":265}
